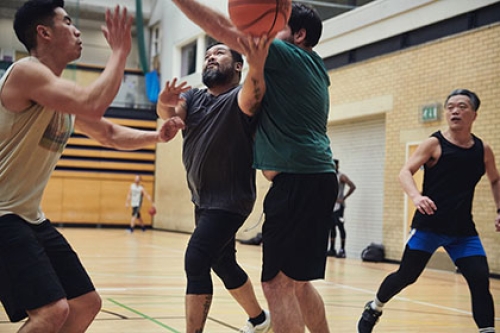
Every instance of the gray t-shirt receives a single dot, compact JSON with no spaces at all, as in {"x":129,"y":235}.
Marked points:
{"x":218,"y":151}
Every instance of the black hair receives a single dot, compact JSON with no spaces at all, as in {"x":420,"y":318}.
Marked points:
{"x":475,"y":101}
{"x":31,"y":14}
{"x":237,"y":57}
{"x":305,"y":17}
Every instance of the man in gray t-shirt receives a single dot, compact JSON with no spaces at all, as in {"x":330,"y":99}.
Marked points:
{"x":218,"y":157}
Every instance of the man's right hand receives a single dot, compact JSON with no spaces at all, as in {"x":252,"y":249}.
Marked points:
{"x":171,"y":94}
{"x":117,"y":30}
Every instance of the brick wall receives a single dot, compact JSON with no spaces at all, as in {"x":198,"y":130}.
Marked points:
{"x":419,"y":76}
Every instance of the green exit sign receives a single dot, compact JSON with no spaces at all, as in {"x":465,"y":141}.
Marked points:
{"x":429,"y":113}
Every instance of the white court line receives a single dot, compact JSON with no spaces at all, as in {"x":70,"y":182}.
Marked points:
{"x":141,"y":288}
{"x":400,"y":298}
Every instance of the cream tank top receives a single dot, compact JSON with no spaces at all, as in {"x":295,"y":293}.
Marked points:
{"x":31,"y":143}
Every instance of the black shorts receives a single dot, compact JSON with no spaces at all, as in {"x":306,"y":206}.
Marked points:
{"x":136,"y":211}
{"x":37,"y":267}
{"x":298,"y":220}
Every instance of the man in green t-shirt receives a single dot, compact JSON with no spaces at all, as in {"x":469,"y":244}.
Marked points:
{"x":293,"y":151}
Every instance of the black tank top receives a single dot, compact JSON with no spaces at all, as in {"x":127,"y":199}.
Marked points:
{"x":450,"y":183}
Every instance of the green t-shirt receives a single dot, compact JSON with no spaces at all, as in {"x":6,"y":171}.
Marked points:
{"x":291,"y":134}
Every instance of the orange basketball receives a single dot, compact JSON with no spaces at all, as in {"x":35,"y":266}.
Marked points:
{"x":152,"y":211}
{"x":258,"y":17}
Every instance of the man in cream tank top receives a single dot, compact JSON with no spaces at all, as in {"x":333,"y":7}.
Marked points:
{"x":41,"y":277}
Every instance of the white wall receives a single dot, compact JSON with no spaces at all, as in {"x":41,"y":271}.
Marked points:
{"x":360,"y":148}
{"x":8,"y":40}
{"x":382,"y":19}
{"x":95,"y":48}
{"x":373,"y":22}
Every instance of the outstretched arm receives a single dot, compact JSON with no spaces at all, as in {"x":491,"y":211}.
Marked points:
{"x":254,"y":86}
{"x":125,"y":138}
{"x":33,"y":81}
{"x":213,"y":22}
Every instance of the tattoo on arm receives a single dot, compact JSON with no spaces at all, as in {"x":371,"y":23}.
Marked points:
{"x":257,"y":94}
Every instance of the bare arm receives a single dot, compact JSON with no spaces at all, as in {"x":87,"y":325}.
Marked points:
{"x":213,"y":22}
{"x":32,"y":81}
{"x":146,"y":194}
{"x":254,"y":86}
{"x":494,"y":179}
{"x":350,"y":184}
{"x":124,"y":138}
{"x":129,"y":195}
{"x":426,"y":151}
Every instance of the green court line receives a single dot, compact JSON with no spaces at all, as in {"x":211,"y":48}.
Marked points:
{"x":143,"y":315}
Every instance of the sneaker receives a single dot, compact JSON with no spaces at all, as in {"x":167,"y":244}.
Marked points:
{"x":331,"y":253}
{"x":261,"y":328}
{"x":341,"y":254}
{"x":257,"y":240}
{"x":368,"y":319}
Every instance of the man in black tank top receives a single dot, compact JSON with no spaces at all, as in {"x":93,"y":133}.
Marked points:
{"x":454,"y":161}
{"x":218,"y":155}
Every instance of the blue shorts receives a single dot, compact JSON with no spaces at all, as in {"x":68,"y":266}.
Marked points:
{"x":456,"y":246}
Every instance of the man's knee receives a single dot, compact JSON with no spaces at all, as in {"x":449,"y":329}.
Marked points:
{"x":89,"y":303}
{"x":231,"y":274}
{"x":50,"y":317}
{"x":197,"y":267}
{"x":280,"y":282}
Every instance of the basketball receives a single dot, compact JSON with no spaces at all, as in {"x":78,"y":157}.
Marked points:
{"x":258,"y":17}
{"x":152,"y":211}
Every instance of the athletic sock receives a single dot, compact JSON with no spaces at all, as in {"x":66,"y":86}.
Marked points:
{"x":487,"y":330}
{"x":377,"y":305}
{"x":258,"y":320}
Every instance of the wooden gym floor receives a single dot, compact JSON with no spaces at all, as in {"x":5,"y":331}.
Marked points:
{"x":141,"y":280}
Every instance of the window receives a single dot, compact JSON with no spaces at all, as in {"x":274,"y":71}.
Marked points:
{"x":154,"y":61}
{"x":188,"y":59}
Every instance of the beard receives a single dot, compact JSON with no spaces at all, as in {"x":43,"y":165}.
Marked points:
{"x":215,"y":77}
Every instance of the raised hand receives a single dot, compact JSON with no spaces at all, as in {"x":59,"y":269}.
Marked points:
{"x":255,"y":49}
{"x":117,"y":30}
{"x":171,"y":94}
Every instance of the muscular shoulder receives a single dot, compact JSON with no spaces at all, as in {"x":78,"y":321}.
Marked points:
{"x":20,"y":82}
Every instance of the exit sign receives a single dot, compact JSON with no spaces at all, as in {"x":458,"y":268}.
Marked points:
{"x":429,"y":113}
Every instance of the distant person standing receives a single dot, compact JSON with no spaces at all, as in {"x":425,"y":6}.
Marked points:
{"x":454,"y":161}
{"x":134,"y":199}
{"x":338,"y":213}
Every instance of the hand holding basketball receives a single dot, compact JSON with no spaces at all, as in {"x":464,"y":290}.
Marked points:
{"x":259,"y":17}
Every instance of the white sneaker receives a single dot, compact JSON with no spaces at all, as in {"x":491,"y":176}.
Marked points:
{"x":261,"y":328}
